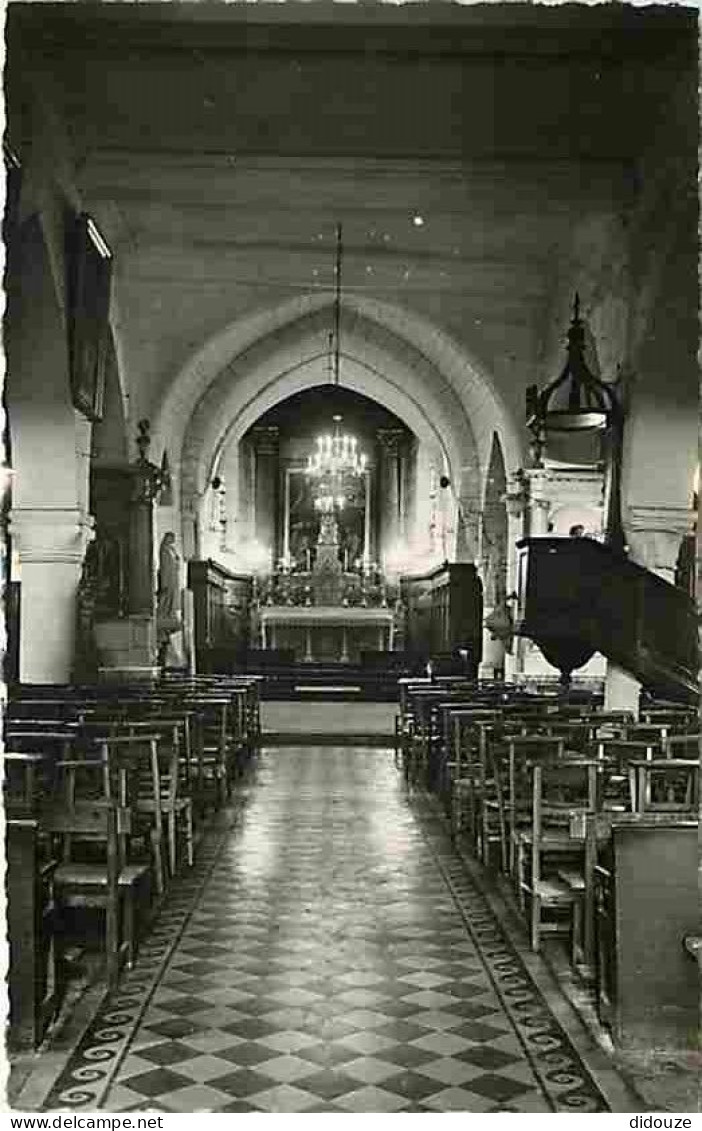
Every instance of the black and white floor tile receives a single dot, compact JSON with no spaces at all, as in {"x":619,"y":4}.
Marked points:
{"x":328,"y":954}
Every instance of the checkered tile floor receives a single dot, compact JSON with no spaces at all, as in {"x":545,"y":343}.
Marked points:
{"x":326,"y":966}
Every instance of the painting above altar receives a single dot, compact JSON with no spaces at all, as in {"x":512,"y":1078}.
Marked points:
{"x":304,"y":532}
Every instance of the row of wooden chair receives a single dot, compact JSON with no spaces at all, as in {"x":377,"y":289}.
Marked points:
{"x":102,"y":789}
{"x":519,"y":774}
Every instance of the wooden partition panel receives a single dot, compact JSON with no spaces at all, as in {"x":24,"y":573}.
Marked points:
{"x":657,"y":996}
{"x":444,"y":612}
{"x":222,"y":611}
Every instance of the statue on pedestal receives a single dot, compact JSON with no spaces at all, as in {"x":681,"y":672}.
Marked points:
{"x":168,"y":600}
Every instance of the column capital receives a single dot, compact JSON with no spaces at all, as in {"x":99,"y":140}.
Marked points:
{"x":391,"y":440}
{"x":515,"y":495}
{"x":654,"y":534}
{"x":514,"y":503}
{"x":661,"y":519}
{"x":538,"y":488}
{"x":265,"y":440}
{"x":51,"y":534}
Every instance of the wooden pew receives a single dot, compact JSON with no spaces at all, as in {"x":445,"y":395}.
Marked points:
{"x":34,"y":998}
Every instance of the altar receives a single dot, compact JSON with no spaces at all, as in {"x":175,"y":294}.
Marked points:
{"x":327,"y":633}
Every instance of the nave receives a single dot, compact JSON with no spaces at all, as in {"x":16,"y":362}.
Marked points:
{"x":316,"y":405}
{"x":329,"y":952}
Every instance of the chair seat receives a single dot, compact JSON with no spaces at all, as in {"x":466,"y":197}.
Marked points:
{"x":94,"y":875}
{"x":148,"y":804}
{"x":492,"y":805}
{"x":575,"y":881}
{"x":554,"y":893}
{"x":550,"y":842}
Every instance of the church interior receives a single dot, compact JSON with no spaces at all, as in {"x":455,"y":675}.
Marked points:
{"x":350,"y":512}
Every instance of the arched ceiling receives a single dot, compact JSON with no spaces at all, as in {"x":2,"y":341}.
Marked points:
{"x":403,"y":363}
{"x":313,"y":410}
{"x":217,"y":145}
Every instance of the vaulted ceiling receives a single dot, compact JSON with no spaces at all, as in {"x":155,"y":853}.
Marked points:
{"x":461,"y":147}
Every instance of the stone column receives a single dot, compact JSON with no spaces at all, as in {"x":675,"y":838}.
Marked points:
{"x":410,"y":494}
{"x":286,"y":520}
{"x":493,"y":649}
{"x":538,"y":503}
{"x":367,"y":521}
{"x":654,"y":534}
{"x":515,"y":502}
{"x":621,"y":690}
{"x":141,"y":573}
{"x":50,"y":545}
{"x":265,"y":488}
{"x":390,"y":443}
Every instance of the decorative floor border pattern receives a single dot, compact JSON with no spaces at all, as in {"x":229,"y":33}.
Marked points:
{"x":565,"y":1079}
{"x":85,"y":1079}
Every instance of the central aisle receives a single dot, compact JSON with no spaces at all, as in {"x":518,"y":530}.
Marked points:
{"x":327,"y":966}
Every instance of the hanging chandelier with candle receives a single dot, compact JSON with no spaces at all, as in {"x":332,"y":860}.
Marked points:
{"x":333,"y":466}
{"x":336,"y":464}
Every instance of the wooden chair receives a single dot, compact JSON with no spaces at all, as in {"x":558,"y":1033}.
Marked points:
{"x":494,"y":795}
{"x":665,"y":785}
{"x":175,"y":800}
{"x":239,"y":748}
{"x":654,"y":734}
{"x":129,"y":754}
{"x":211,"y":746}
{"x":468,"y":731}
{"x":616,"y":756}
{"x":520,"y":750}
{"x":444,"y":770}
{"x":134,"y":761}
{"x":677,"y":717}
{"x":559,"y":789}
{"x":681,"y":745}
{"x":109,"y":883}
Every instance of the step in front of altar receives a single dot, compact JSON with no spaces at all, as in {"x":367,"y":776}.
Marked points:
{"x":328,"y":724}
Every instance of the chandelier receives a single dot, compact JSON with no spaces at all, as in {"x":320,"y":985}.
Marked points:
{"x":336,"y":460}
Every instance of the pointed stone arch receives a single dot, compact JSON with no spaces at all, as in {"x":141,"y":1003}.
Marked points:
{"x":388,"y":353}
{"x":494,"y":532}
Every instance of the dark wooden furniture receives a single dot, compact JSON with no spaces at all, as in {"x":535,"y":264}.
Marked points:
{"x":577,"y":596}
{"x":222,"y":608}
{"x":444,"y":613}
{"x":111,"y":491}
{"x":32,"y":984}
{"x":648,"y":905}
{"x":108,"y":885}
